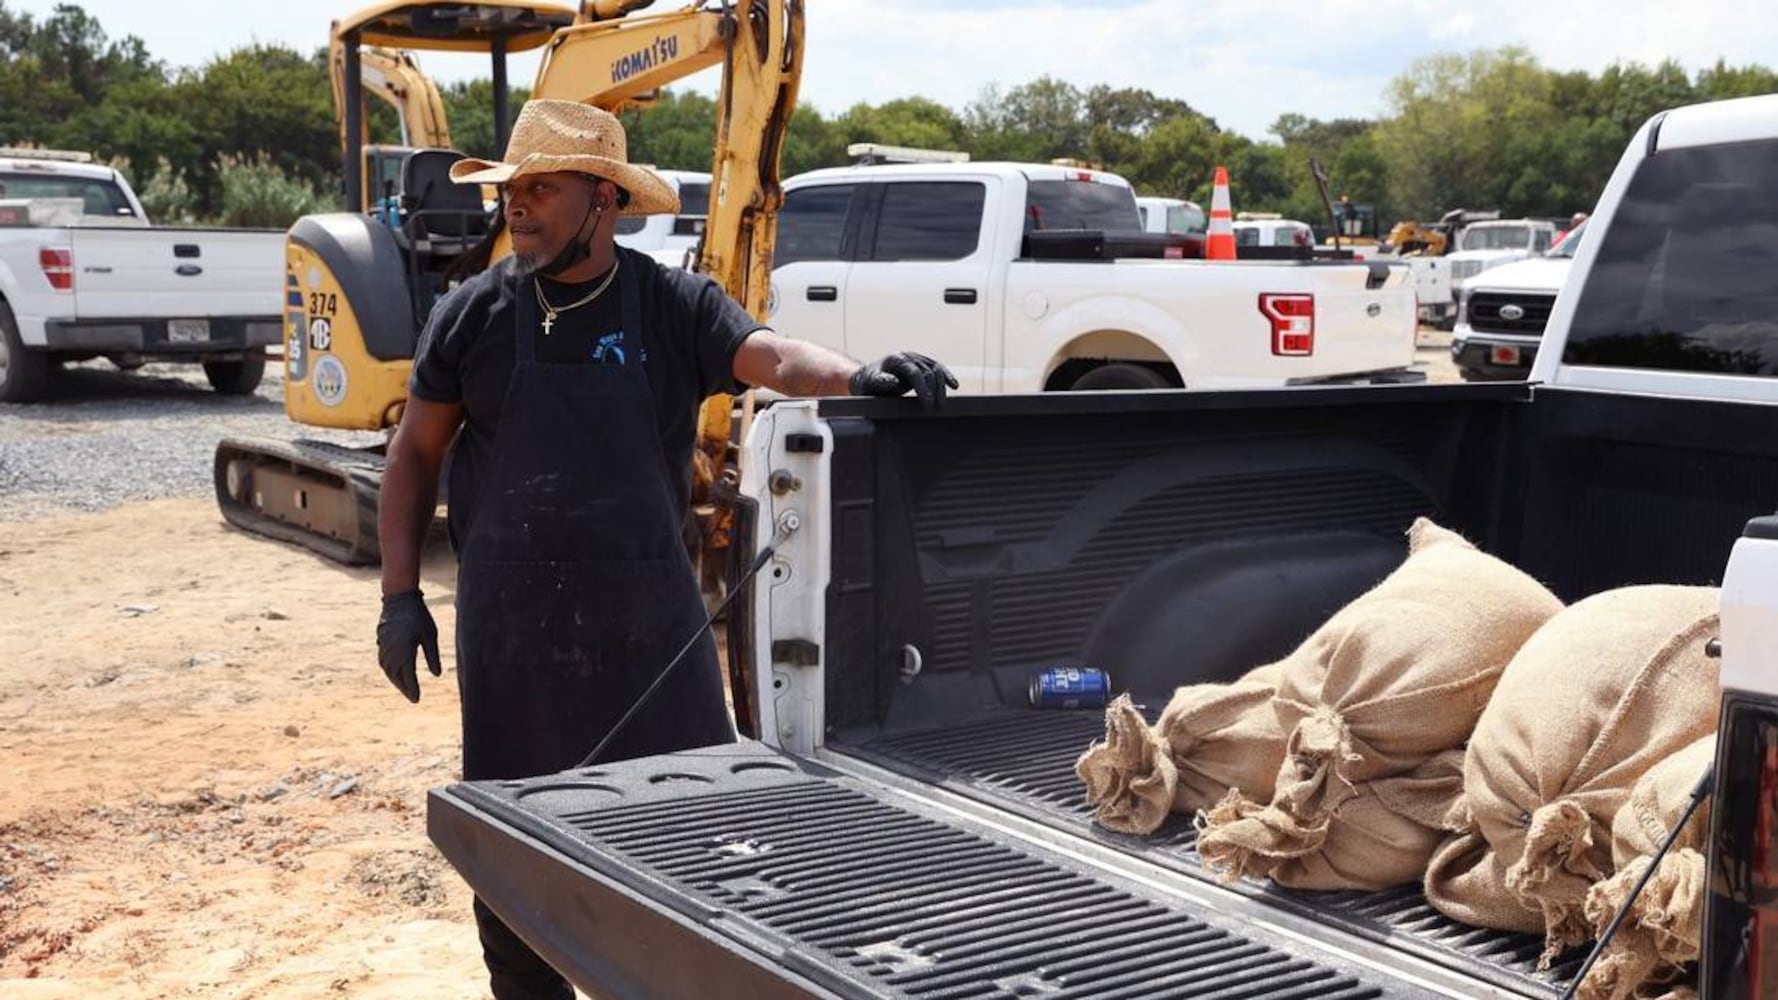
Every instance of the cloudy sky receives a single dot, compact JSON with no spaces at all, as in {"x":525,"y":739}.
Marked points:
{"x":1243,"y":62}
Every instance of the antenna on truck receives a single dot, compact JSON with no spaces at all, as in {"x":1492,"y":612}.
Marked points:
{"x":1321,"y":186}
{"x":787,"y":526}
{"x":1699,"y":793}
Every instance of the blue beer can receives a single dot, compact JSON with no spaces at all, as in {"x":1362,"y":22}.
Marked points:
{"x":1070,"y":687}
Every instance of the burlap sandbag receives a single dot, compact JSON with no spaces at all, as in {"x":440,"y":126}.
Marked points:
{"x":1661,"y":932}
{"x":1371,"y":701}
{"x":1379,"y":836}
{"x":1210,"y":738}
{"x":1609,"y":688}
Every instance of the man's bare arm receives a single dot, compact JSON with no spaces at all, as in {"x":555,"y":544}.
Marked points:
{"x":793,"y":367}
{"x":409,"y":495}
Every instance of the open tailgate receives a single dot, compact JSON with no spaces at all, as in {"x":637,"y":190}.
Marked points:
{"x":739,"y":872}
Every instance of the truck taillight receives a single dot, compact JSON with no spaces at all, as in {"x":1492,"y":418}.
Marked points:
{"x":1740,"y":939}
{"x":58,"y":267}
{"x":1293,"y":323}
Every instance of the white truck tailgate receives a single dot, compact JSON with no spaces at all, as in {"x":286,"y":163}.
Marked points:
{"x":169,"y":273}
{"x":1365,"y":329}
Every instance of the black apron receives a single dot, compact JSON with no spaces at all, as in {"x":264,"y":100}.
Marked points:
{"x":574,"y":588}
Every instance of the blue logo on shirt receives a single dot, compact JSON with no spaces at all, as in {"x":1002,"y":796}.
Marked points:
{"x":610,"y":349}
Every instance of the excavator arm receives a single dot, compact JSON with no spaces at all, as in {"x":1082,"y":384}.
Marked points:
{"x":393,"y":76}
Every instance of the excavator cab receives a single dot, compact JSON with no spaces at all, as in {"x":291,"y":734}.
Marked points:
{"x":360,"y":283}
{"x":357,"y":340}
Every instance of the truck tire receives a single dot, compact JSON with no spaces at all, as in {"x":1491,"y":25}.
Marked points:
{"x":235,"y":378}
{"x":1120,"y":376}
{"x":23,"y":373}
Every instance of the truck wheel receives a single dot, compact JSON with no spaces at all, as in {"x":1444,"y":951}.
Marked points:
{"x":1120,"y":376}
{"x":23,"y":373}
{"x":235,"y":378}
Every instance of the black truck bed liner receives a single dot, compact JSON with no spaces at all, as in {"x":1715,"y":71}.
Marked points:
{"x":1025,"y":763}
{"x":809,"y":883}
{"x":1171,"y":538}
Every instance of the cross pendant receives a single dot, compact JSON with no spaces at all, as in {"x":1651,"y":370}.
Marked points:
{"x":549,"y":320}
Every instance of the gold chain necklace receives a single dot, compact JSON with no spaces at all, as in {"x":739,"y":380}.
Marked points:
{"x":550,"y":312}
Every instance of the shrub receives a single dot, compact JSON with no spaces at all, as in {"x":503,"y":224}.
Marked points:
{"x":165,"y":196}
{"x":257,"y":193}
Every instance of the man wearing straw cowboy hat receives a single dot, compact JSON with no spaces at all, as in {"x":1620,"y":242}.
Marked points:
{"x":569,"y":377}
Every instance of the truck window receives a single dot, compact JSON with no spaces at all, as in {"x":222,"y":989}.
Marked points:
{"x":1496,"y":238}
{"x":694,"y":198}
{"x":99,"y":197}
{"x":812,"y":224}
{"x":1683,"y":278}
{"x":937,"y":220}
{"x":1081,"y":205}
{"x":1185,"y":219}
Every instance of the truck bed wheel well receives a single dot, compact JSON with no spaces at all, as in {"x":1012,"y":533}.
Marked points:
{"x":1072,"y":370}
{"x":24,"y":374}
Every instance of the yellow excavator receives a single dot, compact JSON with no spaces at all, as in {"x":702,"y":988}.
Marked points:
{"x":1411,"y":237}
{"x":358,"y":288}
{"x":394,"y":77}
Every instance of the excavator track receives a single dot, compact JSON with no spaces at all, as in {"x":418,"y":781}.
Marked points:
{"x":320,"y":496}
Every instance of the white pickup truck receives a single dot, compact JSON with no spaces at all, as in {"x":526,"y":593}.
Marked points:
{"x":1171,"y":215}
{"x":1483,"y":245}
{"x":83,"y":275}
{"x":1020,"y":278}
{"x":671,"y":239}
{"x":903,"y":823}
{"x":1502,"y":312}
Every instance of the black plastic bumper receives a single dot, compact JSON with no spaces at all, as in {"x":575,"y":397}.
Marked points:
{"x":152,"y":336}
{"x":1481,"y":357}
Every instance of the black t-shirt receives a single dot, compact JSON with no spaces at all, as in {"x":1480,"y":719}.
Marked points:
{"x":466,"y":355}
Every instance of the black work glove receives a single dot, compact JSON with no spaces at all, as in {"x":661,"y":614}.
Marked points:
{"x":405,"y":628}
{"x":898,"y":374}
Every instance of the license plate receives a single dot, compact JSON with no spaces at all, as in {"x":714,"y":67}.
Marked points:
{"x":1504,"y":355}
{"x":188,"y":331}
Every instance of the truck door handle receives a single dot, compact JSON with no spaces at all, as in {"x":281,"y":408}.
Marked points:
{"x":960,"y":296}
{"x":823,"y":293}
{"x":188,"y":270}
{"x":186,"y":250}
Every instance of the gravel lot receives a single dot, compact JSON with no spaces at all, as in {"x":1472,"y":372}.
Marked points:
{"x":106,"y":437}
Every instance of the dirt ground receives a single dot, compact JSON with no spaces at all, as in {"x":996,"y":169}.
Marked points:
{"x":211,"y":790}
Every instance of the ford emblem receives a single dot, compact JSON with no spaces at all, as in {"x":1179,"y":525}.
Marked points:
{"x":1512,"y":312}
{"x":1373,"y":310}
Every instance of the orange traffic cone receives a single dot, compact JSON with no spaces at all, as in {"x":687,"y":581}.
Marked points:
{"x":1220,"y":243}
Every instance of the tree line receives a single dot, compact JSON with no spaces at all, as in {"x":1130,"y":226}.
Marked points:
{"x":250,"y":137}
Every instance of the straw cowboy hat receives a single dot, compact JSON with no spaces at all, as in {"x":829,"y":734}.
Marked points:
{"x":567,"y":135}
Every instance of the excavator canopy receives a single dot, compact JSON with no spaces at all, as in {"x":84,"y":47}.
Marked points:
{"x":458,"y":27}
